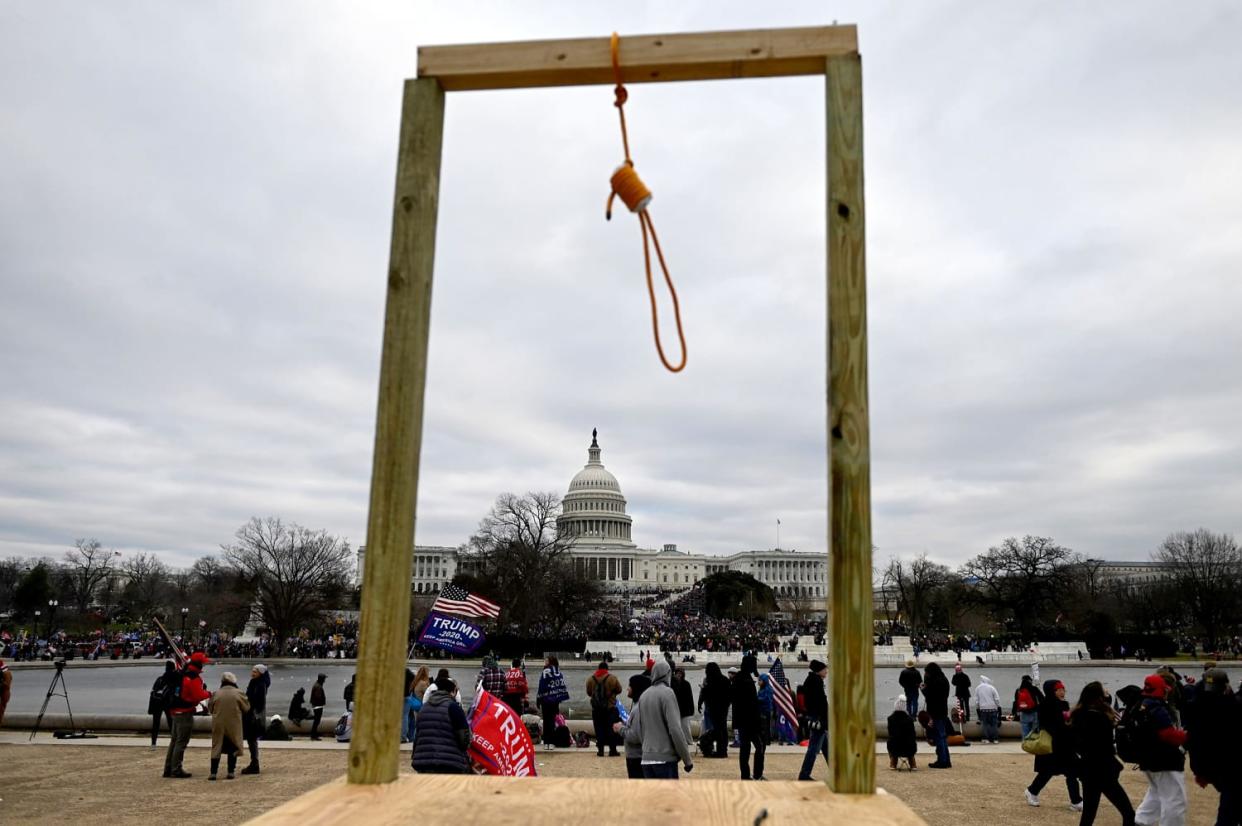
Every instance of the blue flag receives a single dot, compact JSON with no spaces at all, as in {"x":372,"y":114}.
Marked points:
{"x":452,"y":634}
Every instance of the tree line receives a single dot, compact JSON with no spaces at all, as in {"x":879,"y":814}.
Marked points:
{"x":1033,"y":585}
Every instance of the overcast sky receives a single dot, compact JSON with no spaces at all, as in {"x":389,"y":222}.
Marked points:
{"x":195,"y":207}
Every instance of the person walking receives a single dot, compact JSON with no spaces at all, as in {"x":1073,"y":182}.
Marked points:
{"x":746,"y":721}
{"x":936,"y":700}
{"x":319,"y":699}
{"x":228,"y":707}
{"x":910,"y":681}
{"x":815,"y":698}
{"x":987,"y":703}
{"x":189,"y":694}
{"x":714,"y":704}
{"x":443,"y":733}
{"x":658,"y":727}
{"x":1026,"y":700}
{"x":961,"y":690}
{"x":516,"y":686}
{"x":1092,"y":723}
{"x":604,"y":689}
{"x":1054,"y":719}
{"x":629,"y":731}
{"x":1160,"y":758}
{"x":157,"y":705}
{"x":255,"y":722}
{"x":551,"y":693}
{"x":1213,"y":733}
{"x":685,"y":701}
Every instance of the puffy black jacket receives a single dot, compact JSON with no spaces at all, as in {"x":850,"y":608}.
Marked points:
{"x":443,"y":736}
{"x":685,"y":698}
{"x":910,"y":679}
{"x":1052,"y":720}
{"x":814,"y":697}
{"x":901,"y":739}
{"x":936,"y":693}
{"x":745,"y":703}
{"x":1215,"y":731}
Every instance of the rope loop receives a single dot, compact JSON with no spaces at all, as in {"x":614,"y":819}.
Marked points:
{"x":636,"y":196}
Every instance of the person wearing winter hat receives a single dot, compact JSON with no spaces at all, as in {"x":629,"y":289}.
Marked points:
{"x":319,"y":699}
{"x":192,"y":692}
{"x":228,"y":707}
{"x":6,"y":688}
{"x":902,"y":743}
{"x":1161,"y":759}
{"x":1213,"y":733}
{"x":746,"y":720}
{"x":961,"y":690}
{"x":816,"y":699}
{"x":1053,"y":718}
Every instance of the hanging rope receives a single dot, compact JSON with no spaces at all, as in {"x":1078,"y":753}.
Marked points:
{"x":634,"y":194}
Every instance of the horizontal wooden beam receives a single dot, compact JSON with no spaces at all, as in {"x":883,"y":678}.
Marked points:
{"x":646,"y":58}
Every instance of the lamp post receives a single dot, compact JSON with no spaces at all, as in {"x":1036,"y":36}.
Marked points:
{"x":51,"y":615}
{"x":184,"y":613}
{"x":38,"y":614}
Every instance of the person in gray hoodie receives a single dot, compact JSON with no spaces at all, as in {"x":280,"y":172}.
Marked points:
{"x":639,"y":683}
{"x":987,"y":703}
{"x":656,"y":723}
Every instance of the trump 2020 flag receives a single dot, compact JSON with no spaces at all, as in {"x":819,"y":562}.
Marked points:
{"x":499,"y":741}
{"x":786,"y":713}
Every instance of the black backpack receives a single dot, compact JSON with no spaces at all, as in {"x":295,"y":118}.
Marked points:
{"x":170,"y":694}
{"x":1133,"y":734}
{"x":599,"y":697}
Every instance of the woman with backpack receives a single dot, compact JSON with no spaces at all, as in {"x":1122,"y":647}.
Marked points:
{"x":1054,"y":719}
{"x":1092,"y":723}
{"x":1026,"y":702}
{"x":157,"y":706}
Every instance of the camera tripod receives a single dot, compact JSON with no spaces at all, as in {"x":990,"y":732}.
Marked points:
{"x":59,"y":678}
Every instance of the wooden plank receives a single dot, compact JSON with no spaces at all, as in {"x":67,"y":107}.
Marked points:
{"x":649,"y":58}
{"x":384,"y":626}
{"x":499,"y":801}
{"x":852,"y":676}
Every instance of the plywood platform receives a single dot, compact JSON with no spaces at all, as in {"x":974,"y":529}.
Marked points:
{"x":497,"y":801}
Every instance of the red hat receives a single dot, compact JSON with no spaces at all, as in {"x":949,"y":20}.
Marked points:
{"x":198,"y":658}
{"x":1155,"y":686}
{"x":650,"y":663}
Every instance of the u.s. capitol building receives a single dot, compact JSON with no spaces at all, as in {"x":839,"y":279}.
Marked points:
{"x":593,"y":517}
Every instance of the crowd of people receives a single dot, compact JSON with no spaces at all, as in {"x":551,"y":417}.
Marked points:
{"x":1155,"y":726}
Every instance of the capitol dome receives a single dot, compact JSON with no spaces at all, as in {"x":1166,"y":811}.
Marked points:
{"x":593,"y":511}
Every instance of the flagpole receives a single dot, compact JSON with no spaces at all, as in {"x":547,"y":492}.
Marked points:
{"x":778,"y":534}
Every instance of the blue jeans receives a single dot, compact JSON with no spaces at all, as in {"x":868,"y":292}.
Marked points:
{"x":660,"y":771}
{"x":408,"y":719}
{"x":912,"y":705}
{"x":940,"y":730}
{"x":1029,"y":721}
{"x":816,"y":743}
{"x":989,"y":718}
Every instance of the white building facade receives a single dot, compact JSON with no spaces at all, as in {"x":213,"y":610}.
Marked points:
{"x":594,"y":519}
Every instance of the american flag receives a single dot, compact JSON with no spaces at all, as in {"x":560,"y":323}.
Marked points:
{"x":455,"y":599}
{"x":786,"y":713}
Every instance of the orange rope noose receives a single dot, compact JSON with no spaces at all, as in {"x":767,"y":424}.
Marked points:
{"x":634,"y":194}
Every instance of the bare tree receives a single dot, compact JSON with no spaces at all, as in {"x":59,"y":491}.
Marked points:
{"x":1206,"y":573}
{"x":146,"y":584}
{"x":88,"y":565}
{"x":915,"y":586}
{"x":297,"y":573}
{"x":520,"y":560}
{"x":1022,"y":580}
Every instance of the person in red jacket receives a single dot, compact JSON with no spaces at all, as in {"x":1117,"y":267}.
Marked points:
{"x":182,"y":710}
{"x":516,"y":686}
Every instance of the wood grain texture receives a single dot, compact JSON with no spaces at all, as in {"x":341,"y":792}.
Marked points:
{"x":852,"y":676}
{"x":644,"y":58}
{"x":384,"y":625}
{"x":499,"y":801}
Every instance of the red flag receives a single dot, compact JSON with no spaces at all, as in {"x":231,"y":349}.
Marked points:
{"x":499,"y":743}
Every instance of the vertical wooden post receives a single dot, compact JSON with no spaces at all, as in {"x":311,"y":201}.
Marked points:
{"x":384,"y":627}
{"x":852,"y":657}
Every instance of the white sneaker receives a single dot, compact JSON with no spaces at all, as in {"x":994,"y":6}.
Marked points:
{"x":1033,"y":799}
{"x":1077,"y":807}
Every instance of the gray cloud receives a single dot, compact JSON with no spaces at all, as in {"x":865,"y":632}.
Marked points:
{"x":194,"y":218}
